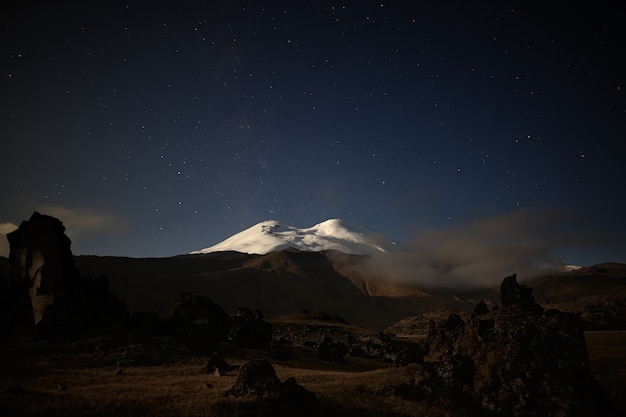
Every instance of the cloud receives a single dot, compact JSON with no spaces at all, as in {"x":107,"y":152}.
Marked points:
{"x":477,"y":254}
{"x":4,"y":242}
{"x":78,"y":222}
{"x":82,"y":221}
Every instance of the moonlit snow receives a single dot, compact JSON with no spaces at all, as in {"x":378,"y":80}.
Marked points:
{"x":333,"y":234}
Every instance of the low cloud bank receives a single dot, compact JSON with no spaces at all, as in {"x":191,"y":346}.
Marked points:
{"x":78,"y":222}
{"x":81,"y":221}
{"x":477,"y":254}
{"x":4,"y":242}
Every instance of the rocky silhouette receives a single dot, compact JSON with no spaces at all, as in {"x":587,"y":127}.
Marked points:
{"x":516,"y":360}
{"x":200,"y":322}
{"x":249,"y":329}
{"x":258,"y":379}
{"x":49,"y":294}
{"x":217,"y":365}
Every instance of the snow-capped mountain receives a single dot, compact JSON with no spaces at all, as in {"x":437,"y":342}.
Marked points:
{"x":333,"y":234}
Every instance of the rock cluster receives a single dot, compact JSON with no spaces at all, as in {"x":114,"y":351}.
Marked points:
{"x":56,"y":300}
{"x":516,"y":360}
{"x":203,"y":324}
{"x":257,"y":380}
{"x":339,"y":341}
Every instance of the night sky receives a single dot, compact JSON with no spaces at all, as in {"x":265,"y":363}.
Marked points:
{"x":158,"y":128}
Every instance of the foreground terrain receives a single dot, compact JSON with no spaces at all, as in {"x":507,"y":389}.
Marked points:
{"x":71,"y":347}
{"x":131,"y":375}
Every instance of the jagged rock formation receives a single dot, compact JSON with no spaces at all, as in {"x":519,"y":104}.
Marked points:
{"x":257,"y":379}
{"x":517,"y":360}
{"x":62,"y":304}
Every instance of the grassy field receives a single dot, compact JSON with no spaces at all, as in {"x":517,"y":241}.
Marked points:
{"x":607,"y":354}
{"x":101,"y":377}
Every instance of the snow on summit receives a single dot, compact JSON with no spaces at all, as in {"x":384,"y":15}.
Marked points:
{"x":333,"y":234}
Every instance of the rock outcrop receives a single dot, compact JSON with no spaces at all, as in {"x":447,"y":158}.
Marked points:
{"x":62,"y":304}
{"x":257,"y":380}
{"x":516,"y":360}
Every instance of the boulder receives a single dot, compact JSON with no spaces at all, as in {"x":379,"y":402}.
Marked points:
{"x":256,"y":378}
{"x":258,"y":381}
{"x":217,"y":365}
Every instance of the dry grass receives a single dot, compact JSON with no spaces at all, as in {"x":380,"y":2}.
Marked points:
{"x":90,"y":386}
{"x":607,"y":354}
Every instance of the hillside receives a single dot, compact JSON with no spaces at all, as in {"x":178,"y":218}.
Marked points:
{"x":282,"y":282}
{"x":291,"y":281}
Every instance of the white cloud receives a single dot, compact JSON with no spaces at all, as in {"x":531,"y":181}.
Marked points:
{"x":4,"y":242}
{"x":78,"y":222}
{"x":477,"y":254}
{"x":82,"y":221}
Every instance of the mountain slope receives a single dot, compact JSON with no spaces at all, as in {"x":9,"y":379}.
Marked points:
{"x":333,"y":234}
{"x":278,"y":283}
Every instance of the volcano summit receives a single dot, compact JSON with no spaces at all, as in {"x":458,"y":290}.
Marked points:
{"x":332,"y":234}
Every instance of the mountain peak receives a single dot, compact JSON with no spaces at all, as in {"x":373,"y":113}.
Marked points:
{"x":332,"y":234}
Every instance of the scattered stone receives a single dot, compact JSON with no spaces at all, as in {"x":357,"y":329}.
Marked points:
{"x":257,"y":380}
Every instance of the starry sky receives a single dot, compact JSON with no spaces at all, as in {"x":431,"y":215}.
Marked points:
{"x":157,"y":128}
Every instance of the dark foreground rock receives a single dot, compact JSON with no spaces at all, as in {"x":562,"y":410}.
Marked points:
{"x":217,"y":365}
{"x":257,"y":380}
{"x":517,"y":360}
{"x":49,"y":299}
